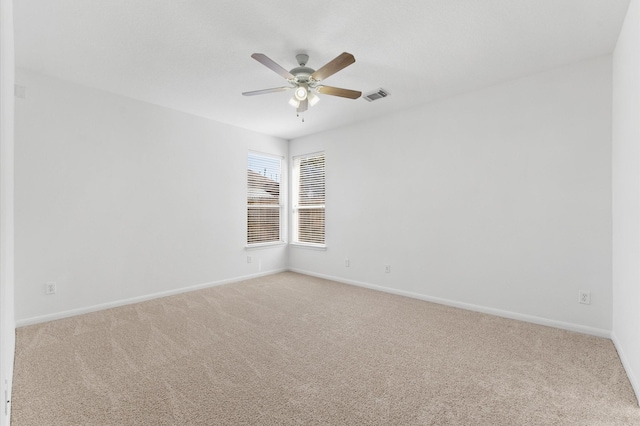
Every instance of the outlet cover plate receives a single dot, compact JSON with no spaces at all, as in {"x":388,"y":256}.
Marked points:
{"x":584,"y":297}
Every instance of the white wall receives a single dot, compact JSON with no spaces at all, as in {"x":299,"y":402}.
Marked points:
{"x":626,"y":194}
{"x":118,"y":200}
{"x":497,"y":200}
{"x":7,"y":320}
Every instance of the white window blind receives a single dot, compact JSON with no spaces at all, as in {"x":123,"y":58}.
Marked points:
{"x":308,"y":199}
{"x":264,"y":208}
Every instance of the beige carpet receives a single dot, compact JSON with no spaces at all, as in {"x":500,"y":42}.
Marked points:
{"x":289,"y":349}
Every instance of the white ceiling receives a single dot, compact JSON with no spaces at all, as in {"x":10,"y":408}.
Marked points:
{"x":195,"y":55}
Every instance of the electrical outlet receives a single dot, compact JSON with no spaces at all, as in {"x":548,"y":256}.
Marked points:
{"x":584,"y":297}
{"x":249,"y":260}
{"x":50,"y":287}
{"x":347,"y":263}
{"x":387,"y":269}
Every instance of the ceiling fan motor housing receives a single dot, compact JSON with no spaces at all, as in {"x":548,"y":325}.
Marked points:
{"x":302,"y":73}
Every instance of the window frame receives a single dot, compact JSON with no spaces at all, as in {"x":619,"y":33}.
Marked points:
{"x":295,"y":200}
{"x":280,"y":202}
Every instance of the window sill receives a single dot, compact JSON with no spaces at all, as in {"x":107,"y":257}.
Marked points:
{"x":321,"y":247}
{"x":265,"y":245}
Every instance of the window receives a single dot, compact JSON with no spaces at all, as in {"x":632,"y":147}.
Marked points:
{"x":264,"y":207}
{"x":308,"y":199}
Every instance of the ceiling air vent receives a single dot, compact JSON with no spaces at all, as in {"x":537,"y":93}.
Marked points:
{"x":376,"y":94}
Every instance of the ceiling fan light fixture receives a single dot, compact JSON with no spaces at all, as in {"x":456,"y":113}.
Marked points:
{"x":301,"y":93}
{"x":294,"y":102}
{"x":313,"y":99}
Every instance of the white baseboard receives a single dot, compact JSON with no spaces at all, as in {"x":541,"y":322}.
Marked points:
{"x":123,"y":302}
{"x":506,"y":314}
{"x":635,"y":384}
{"x":485,"y":310}
{"x":6,"y":378}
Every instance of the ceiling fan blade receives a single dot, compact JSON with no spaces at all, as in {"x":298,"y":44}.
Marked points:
{"x":304,"y":105}
{"x":263,"y":91}
{"x":336,"y":91}
{"x":267,"y":62}
{"x":341,"y":61}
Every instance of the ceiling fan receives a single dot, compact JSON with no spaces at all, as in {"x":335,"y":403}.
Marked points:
{"x":306,"y":81}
